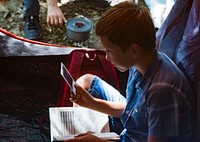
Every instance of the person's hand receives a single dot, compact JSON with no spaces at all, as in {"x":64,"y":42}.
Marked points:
{"x":82,"y":97}
{"x":55,"y":16}
{"x":86,"y":137}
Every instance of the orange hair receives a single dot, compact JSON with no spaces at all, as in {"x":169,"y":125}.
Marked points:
{"x":127,"y":23}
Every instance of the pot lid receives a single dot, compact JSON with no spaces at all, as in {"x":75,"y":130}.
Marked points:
{"x":79,"y":24}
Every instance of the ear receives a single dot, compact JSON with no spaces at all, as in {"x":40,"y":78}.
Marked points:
{"x":135,"y":51}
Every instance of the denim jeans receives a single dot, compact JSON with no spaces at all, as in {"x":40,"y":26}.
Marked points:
{"x":31,"y":7}
{"x":102,"y":90}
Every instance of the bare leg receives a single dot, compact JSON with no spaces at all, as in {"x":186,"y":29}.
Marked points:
{"x":85,"y":81}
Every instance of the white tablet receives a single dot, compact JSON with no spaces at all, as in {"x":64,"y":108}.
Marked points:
{"x":67,"y":77}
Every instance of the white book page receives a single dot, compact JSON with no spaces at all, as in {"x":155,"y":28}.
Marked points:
{"x":70,"y":121}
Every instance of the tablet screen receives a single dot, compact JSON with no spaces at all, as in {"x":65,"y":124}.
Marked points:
{"x":68,"y":78}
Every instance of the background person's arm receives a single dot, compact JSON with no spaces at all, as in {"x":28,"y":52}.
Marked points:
{"x":54,"y":14}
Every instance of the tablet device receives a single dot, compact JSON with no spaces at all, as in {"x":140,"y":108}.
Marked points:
{"x":68,"y":78}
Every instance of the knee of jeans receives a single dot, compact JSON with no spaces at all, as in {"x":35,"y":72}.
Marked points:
{"x":85,"y":81}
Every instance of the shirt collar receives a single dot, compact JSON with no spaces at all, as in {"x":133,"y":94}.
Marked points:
{"x":150,"y":72}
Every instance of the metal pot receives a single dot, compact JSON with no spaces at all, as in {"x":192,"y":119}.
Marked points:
{"x":78,"y":28}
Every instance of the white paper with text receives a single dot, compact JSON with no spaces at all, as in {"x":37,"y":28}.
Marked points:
{"x":66,"y":121}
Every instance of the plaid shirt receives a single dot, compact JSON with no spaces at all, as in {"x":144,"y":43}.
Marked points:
{"x":159,"y":104}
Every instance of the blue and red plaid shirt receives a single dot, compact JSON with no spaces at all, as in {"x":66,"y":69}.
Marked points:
{"x":159,"y":104}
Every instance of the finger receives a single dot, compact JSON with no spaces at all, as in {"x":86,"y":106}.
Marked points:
{"x":71,"y":92}
{"x":48,"y":25}
{"x":51,"y":21}
{"x":56,"y":21}
{"x":48,"y":20}
{"x":74,"y":96}
{"x":72,"y":100}
{"x":60,"y":21}
{"x":80,"y":135}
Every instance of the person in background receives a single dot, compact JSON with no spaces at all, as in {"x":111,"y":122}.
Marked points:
{"x":159,"y":103}
{"x":31,"y":11}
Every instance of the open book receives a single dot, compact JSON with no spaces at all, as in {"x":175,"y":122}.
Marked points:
{"x":66,"y":122}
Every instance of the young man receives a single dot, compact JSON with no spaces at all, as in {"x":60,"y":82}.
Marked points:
{"x":31,"y":10}
{"x":159,"y":104}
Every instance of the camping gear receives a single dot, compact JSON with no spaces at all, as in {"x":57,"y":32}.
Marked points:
{"x":78,"y":28}
{"x":30,"y":83}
